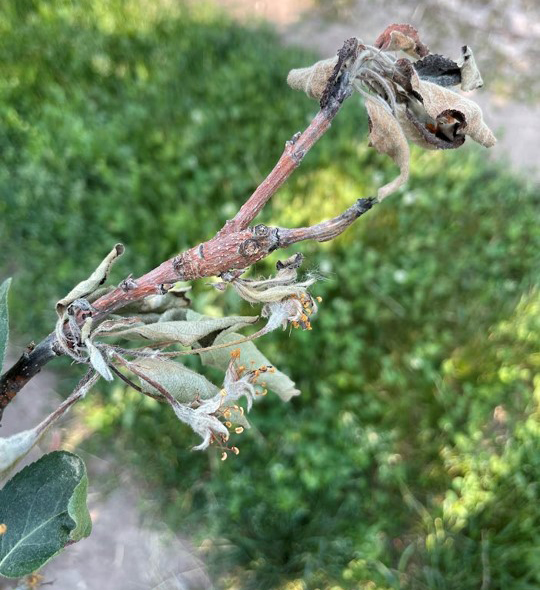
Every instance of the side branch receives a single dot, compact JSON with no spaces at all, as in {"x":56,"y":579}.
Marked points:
{"x":235,"y":247}
{"x":338,"y":89}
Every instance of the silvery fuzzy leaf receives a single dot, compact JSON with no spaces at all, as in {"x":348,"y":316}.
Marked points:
{"x":387,"y":137}
{"x":16,"y":447}
{"x":97,"y":361}
{"x":182,"y":383}
{"x":184,"y":332}
{"x":95,"y":280}
{"x":401,"y":37}
{"x":250,"y":357}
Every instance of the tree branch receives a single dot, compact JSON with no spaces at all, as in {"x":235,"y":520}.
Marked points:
{"x":235,"y":246}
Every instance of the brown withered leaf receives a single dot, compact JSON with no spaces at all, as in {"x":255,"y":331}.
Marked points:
{"x":312,"y":80}
{"x":470,"y":74}
{"x":387,"y":137}
{"x":442,"y":118}
{"x":439,"y":70}
{"x":401,"y":37}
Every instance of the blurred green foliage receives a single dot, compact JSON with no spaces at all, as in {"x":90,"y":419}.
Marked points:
{"x":411,"y":460}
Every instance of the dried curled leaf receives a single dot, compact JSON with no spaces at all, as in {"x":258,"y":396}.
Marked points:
{"x":387,"y":137}
{"x":95,"y":280}
{"x":439,"y":70}
{"x":401,"y":37}
{"x":182,"y":383}
{"x":461,"y":115}
{"x":435,"y":117}
{"x":470,"y":74}
{"x":312,"y":80}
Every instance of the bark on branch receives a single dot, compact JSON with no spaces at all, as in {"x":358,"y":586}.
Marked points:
{"x":235,"y":246}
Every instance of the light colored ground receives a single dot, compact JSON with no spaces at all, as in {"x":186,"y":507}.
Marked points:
{"x":123,"y":552}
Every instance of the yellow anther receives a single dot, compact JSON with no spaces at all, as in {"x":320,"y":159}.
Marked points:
{"x":239,"y":430}
{"x":235,"y":450}
{"x":223,"y":393}
{"x":241,"y":410}
{"x":228,"y":424}
{"x":235,"y":354}
{"x":3,"y":529}
{"x":227,"y":413}
{"x":264,"y":391}
{"x":319,"y":299}
{"x":223,"y":456}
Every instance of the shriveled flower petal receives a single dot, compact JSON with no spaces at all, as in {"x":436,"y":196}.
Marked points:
{"x":387,"y":137}
{"x":312,"y":80}
{"x":401,"y":37}
{"x":202,"y":422}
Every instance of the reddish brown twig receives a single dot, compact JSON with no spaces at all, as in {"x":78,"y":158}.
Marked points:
{"x":235,"y":246}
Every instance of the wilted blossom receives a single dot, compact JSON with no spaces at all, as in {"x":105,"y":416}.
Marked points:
{"x":407,"y":98}
{"x":238,"y":383}
{"x":203,"y":421}
{"x":285,"y":299}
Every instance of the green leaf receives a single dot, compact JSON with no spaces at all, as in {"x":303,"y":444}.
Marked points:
{"x":43,"y":508}
{"x":184,"y":332}
{"x":250,"y":356}
{"x":184,"y":384}
{"x":4,"y":322}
